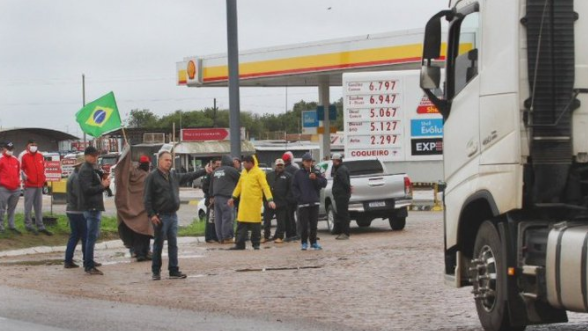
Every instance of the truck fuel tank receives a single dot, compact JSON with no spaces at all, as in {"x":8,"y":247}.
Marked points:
{"x":567,"y":267}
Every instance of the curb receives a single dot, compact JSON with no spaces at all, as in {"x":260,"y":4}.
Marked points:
{"x":105,"y":245}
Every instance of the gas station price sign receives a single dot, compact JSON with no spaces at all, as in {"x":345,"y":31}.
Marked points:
{"x":373,"y":118}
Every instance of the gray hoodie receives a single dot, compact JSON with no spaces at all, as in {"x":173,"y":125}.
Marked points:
{"x":224,"y":179}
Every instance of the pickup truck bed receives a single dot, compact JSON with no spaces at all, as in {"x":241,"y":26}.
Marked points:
{"x":375,"y":194}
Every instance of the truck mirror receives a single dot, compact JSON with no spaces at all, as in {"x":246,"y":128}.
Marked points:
{"x":432,"y":43}
{"x":430,"y":77}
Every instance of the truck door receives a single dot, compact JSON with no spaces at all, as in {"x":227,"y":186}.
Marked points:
{"x":462,"y":133}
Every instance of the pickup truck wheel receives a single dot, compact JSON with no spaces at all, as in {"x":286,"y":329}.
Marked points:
{"x":331,"y":220}
{"x":397,"y":223}
{"x":202,"y":215}
{"x":46,"y":190}
{"x":487,"y":277}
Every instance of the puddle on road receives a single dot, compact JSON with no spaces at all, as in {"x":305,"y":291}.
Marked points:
{"x":278,"y":268}
{"x":32,"y":263}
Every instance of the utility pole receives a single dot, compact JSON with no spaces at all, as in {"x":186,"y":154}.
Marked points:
{"x":214,"y":114}
{"x":84,"y":99}
{"x":233,"y":61}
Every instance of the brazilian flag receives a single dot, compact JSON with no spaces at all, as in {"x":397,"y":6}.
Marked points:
{"x":99,"y":116}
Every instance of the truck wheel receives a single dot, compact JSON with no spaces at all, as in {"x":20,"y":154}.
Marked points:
{"x":363,"y":222}
{"x":488,"y":274}
{"x":331,"y":220}
{"x":202,"y":215}
{"x":397,"y":223}
{"x":46,"y":190}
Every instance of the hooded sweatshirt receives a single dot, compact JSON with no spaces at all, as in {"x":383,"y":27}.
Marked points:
{"x":251,"y":189}
{"x":224,"y":179}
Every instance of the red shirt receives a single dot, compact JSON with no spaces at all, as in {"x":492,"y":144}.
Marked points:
{"x":9,"y":172}
{"x":33,"y":165}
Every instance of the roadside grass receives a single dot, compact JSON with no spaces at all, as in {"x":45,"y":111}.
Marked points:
{"x":60,"y":230}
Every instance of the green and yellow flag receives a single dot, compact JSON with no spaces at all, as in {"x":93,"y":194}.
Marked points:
{"x":99,"y":116}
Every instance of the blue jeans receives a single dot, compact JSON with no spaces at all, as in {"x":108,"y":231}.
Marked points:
{"x":167,"y":229}
{"x":93,"y":231}
{"x":77,"y":225}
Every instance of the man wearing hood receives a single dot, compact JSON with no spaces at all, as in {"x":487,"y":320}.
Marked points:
{"x":33,"y":172}
{"x":9,"y":186}
{"x":251,"y":189}
{"x":223,"y":182}
{"x":209,"y":231}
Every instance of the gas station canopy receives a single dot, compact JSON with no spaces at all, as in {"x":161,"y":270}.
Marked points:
{"x":308,"y":64}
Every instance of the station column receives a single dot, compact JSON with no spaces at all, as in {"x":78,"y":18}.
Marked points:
{"x":324,"y":100}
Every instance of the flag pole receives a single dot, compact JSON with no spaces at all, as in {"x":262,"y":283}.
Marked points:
{"x":124,"y":135}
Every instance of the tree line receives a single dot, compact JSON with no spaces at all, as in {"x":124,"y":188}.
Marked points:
{"x":258,"y":126}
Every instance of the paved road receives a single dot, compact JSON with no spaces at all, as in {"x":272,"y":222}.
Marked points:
{"x":26,"y":310}
{"x":378,"y":280}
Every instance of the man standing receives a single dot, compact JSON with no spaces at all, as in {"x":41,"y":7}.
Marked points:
{"x":162,"y":201}
{"x":223,"y":182}
{"x":75,"y":215}
{"x":342,"y":194}
{"x":134,"y":227}
{"x":279,"y":182}
{"x":9,"y":186}
{"x":92,"y":187}
{"x":306,"y":186}
{"x":292,"y":230}
{"x":209,"y":229}
{"x":251,"y":189}
{"x":33,"y":171}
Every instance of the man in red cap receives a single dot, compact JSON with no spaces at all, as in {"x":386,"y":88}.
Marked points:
{"x":291,"y":229}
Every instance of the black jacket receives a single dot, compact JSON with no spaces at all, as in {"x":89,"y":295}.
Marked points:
{"x":281,"y":186}
{"x":291,"y":168}
{"x":341,"y":182}
{"x":73,"y":194}
{"x":307,"y":191}
{"x":91,"y":188}
{"x":163,"y":195}
{"x":224,"y":179}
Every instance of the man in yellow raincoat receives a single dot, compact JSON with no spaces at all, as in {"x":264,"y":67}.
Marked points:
{"x":251,"y":189}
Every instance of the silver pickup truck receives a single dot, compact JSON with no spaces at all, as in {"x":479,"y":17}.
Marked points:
{"x":375,"y":194}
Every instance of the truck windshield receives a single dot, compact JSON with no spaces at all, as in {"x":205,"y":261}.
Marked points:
{"x":364,"y":167}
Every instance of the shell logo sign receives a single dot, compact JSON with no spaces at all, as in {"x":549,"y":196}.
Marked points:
{"x":191,"y":70}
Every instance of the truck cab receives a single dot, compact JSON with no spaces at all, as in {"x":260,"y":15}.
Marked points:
{"x":515,"y":112}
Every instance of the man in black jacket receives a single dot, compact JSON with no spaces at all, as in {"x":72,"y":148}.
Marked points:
{"x":222,"y":184}
{"x":306,"y":186}
{"x":342,"y":194}
{"x":210,"y":231}
{"x":292,"y":229}
{"x":162,"y":201}
{"x":280,"y":183}
{"x":92,"y":187}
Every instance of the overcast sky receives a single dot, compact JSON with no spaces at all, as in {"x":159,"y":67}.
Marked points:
{"x":131,"y":47}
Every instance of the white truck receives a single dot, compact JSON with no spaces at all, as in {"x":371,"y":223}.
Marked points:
{"x":375,"y":194}
{"x":515,"y":110}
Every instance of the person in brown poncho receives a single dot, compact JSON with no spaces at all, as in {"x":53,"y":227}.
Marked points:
{"x":134,"y":227}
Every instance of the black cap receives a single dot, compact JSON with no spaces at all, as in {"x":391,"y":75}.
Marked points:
{"x":307,"y":157}
{"x":9,"y":145}
{"x":31,"y":141}
{"x":248,"y":158}
{"x":91,"y":150}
